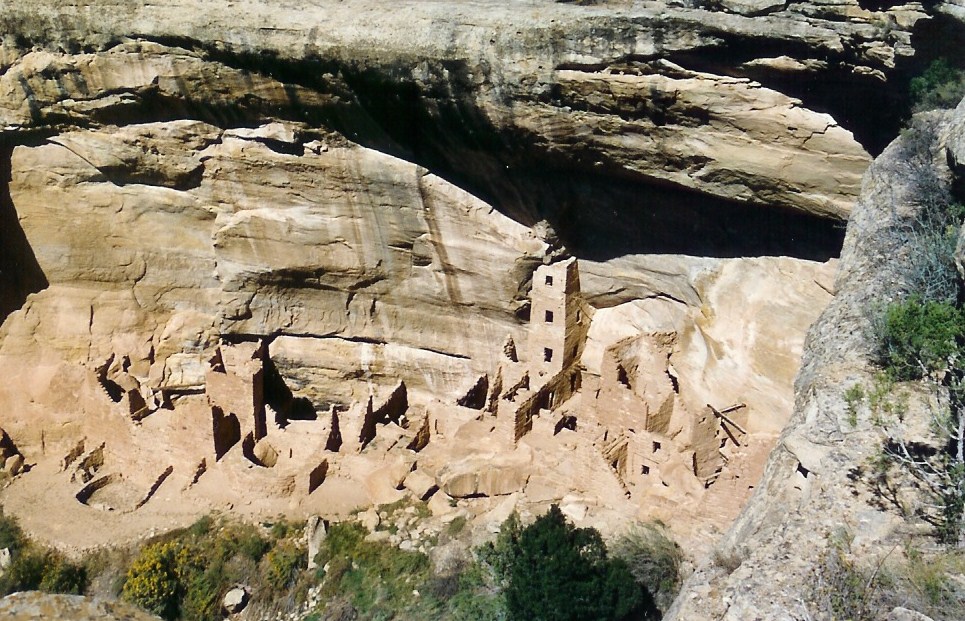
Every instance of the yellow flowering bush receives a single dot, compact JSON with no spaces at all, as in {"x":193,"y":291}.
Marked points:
{"x":157,"y":577}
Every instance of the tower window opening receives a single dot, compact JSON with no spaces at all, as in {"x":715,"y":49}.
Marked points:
{"x":547,"y":354}
{"x":549,"y":316}
{"x":656,"y":446}
{"x":644,"y":469}
{"x":549,"y":281}
{"x":622,"y":376}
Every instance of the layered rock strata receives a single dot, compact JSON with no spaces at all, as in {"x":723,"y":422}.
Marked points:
{"x":482,"y":93}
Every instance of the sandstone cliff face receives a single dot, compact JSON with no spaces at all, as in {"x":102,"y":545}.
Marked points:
{"x":526,"y":104}
{"x":367,"y":189}
{"x":337,"y":251}
{"x":812,"y":489}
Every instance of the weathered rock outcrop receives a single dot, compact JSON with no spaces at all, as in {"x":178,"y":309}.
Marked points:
{"x":37,"y":606}
{"x":812,"y":490}
{"x":507,"y":98}
{"x":273,"y":236}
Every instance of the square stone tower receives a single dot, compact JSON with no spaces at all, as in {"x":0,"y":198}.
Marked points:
{"x":556,"y":319}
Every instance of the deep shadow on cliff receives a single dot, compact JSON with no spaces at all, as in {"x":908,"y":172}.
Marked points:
{"x":20,"y":274}
{"x":602,"y":218}
{"x":598,"y":210}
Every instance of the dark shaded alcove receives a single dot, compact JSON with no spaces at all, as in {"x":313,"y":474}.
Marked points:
{"x":604,"y":218}
{"x":20,"y":273}
{"x":599,"y":212}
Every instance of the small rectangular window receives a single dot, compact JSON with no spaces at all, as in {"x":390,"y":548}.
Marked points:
{"x":549,"y":316}
{"x":644,"y":469}
{"x":547,"y":354}
{"x":656,"y":446}
{"x":549,"y":281}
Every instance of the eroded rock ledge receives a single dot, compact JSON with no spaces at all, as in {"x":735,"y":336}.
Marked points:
{"x":502,"y":96}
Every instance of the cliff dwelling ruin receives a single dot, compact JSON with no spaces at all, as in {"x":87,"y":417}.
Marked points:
{"x":224,"y":424}
{"x":336,"y":356}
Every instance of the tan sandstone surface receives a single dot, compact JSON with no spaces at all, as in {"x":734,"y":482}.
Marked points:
{"x":730,"y":137}
{"x":266,"y":257}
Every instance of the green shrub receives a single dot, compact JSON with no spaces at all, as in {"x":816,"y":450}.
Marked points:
{"x":950,"y":527}
{"x":202,"y":592}
{"x":25,"y":572}
{"x":62,"y":576}
{"x":654,"y":560}
{"x":282,"y":566}
{"x":853,"y":397}
{"x":233,"y":540}
{"x":35,"y":568}
{"x":248,"y":542}
{"x":940,"y":86}
{"x":282,"y":529}
{"x":475,"y":599}
{"x":201,"y":527}
{"x":158,"y":578}
{"x":921,"y":338}
{"x":456,"y":526}
{"x":500,"y":555}
{"x":10,"y":534}
{"x":560,"y":573}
